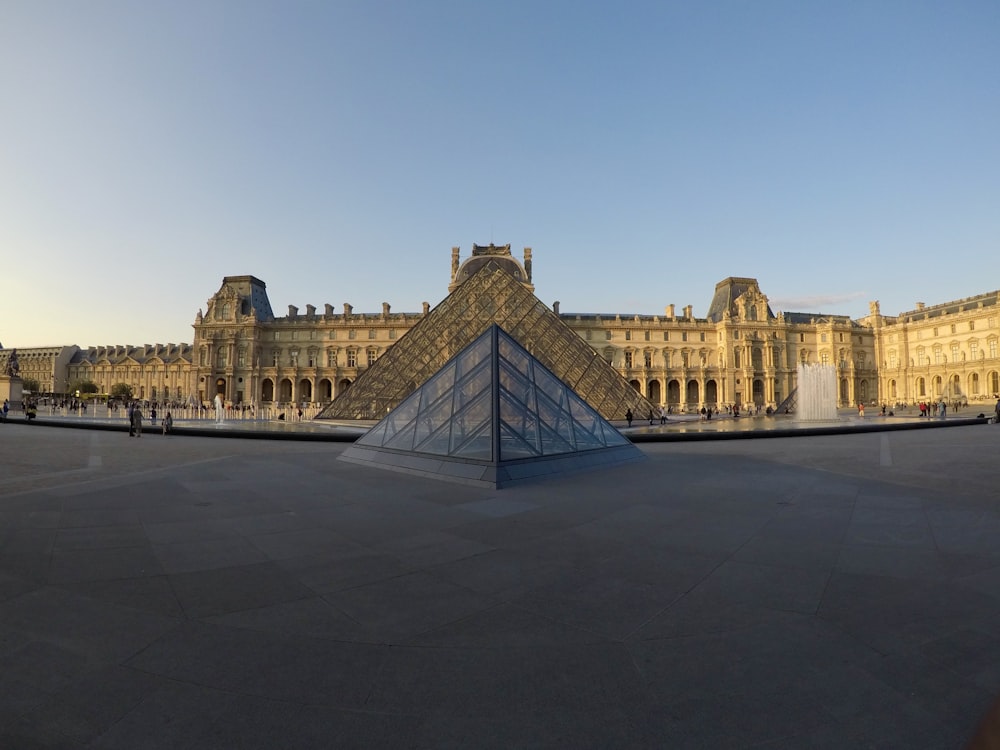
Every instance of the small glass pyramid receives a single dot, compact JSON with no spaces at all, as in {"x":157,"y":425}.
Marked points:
{"x":492,"y":405}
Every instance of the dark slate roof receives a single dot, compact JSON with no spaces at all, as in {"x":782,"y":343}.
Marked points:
{"x":726,"y":293}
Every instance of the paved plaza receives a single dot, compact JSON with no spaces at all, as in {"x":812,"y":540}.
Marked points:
{"x":831,"y":591}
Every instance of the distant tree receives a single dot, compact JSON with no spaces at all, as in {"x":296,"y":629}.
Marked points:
{"x":31,"y":385}
{"x":121,"y":390}
{"x":83,"y":386}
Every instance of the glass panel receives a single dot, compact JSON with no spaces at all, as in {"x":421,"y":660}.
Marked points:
{"x":469,"y":421}
{"x":513,"y":445}
{"x":478,"y":444}
{"x":552,"y":442}
{"x":521,"y":420}
{"x":402,"y":440}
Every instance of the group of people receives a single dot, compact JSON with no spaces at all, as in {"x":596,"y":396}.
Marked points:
{"x":135,"y":420}
{"x":928,"y":409}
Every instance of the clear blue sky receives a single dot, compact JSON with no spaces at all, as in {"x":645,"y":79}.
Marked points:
{"x":837,"y":152}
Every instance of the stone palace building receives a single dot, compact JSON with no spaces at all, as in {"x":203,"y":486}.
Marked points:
{"x":739,"y":352}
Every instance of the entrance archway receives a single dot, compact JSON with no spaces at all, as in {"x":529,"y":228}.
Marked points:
{"x":305,"y":390}
{"x":758,"y":392}
{"x":712,"y":393}
{"x":325,"y":390}
{"x":673,"y":393}
{"x":654,"y":391}
{"x":285,"y":390}
{"x":693,"y":392}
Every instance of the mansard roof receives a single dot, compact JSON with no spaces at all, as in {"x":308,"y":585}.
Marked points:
{"x":727,"y":292}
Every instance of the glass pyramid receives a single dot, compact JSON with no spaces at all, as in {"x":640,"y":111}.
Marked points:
{"x":491,"y":295}
{"x":489,"y":414}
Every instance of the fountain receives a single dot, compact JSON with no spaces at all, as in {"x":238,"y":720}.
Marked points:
{"x":816,"y":399}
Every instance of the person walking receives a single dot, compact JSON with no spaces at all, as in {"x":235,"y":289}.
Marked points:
{"x":628,"y":417}
{"x":996,"y":411}
{"x":168,"y":424}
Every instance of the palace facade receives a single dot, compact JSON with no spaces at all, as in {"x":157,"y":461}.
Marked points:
{"x":740,"y":352}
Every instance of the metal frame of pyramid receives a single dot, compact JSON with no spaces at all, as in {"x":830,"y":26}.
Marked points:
{"x":494,"y":415}
{"x":491,"y":295}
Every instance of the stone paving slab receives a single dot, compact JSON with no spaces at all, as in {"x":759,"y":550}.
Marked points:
{"x":810,"y":591}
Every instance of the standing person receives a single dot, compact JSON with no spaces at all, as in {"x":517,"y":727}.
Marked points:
{"x":131,"y":418}
{"x":943,"y":407}
{"x":663,"y":414}
{"x":861,"y":409}
{"x":152,"y":415}
{"x":996,"y":412}
{"x":628,"y":417}
{"x":6,"y":408}
{"x":137,"y":421}
{"x":168,"y":423}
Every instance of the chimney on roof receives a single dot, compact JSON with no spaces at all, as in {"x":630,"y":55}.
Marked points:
{"x":688,"y":309}
{"x":329,"y":309}
{"x":921,"y":305}
{"x":385,"y":309}
{"x":292,"y":311}
{"x":347,"y":310}
{"x":555,"y":307}
{"x":670,"y":311}
{"x":310,"y":310}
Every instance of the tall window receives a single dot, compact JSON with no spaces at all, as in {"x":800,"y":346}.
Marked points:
{"x":893,"y":363}
{"x":352,"y":358}
{"x":954,"y":352}
{"x":294,"y":356}
{"x":628,"y":359}
{"x":372,"y":356}
{"x":938,"y":355}
{"x":220,"y":357}
{"x":824,"y":358}
{"x":648,"y":359}
{"x":331,"y":358}
{"x":242,"y":358}
{"x":993,"y":348}
{"x":274,"y":358}
{"x":974,"y":349}
{"x":352,"y":334}
{"x":628,"y":335}
{"x":371,"y":333}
